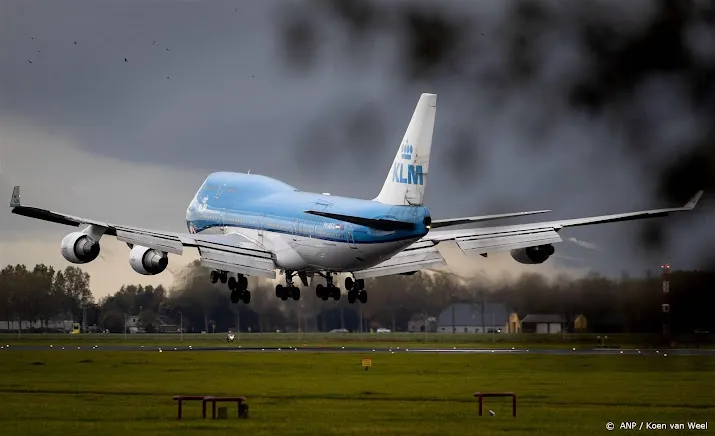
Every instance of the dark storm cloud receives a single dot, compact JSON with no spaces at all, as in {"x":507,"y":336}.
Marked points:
{"x":319,"y":94}
{"x":616,"y":97}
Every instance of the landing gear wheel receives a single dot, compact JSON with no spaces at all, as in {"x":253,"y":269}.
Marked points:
{"x":214,"y":276}
{"x":242,"y":283}
{"x":335,"y":293}
{"x":349,"y":283}
{"x":224,"y":277}
{"x":232,"y":283}
{"x":362,"y":296}
{"x":295,"y":293}
{"x":320,"y":292}
{"x":359,"y":285}
{"x":279,"y":291}
{"x":352,"y":296}
{"x":236,"y":296}
{"x":246,"y":297}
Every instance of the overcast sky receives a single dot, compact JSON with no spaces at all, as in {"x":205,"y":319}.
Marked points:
{"x":205,"y":88}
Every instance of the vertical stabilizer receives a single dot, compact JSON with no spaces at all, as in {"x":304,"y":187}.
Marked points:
{"x":405,"y":183}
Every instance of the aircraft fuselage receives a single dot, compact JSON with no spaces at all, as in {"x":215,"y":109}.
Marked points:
{"x":272,"y":214}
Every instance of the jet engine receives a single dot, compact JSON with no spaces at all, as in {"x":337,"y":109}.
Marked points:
{"x":78,"y":248}
{"x":533,"y":255}
{"x":147,"y":261}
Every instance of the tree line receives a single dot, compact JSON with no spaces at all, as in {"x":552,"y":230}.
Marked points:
{"x":628,"y":304}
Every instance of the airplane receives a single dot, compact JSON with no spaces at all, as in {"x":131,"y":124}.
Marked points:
{"x":252,"y":225}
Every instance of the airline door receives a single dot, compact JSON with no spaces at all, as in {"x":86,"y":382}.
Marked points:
{"x":350,"y":237}
{"x":222,"y":211}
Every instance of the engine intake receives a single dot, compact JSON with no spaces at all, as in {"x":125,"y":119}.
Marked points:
{"x":147,"y":261}
{"x":533,"y":255}
{"x":78,"y":248}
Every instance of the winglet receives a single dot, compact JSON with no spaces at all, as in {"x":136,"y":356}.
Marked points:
{"x":15,"y":199}
{"x":689,"y":205}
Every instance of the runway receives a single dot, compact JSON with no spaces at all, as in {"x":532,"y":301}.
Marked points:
{"x":360,"y":350}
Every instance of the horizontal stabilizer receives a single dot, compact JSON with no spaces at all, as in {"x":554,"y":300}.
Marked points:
{"x":475,"y":219}
{"x":418,"y":256}
{"x":375,"y":223}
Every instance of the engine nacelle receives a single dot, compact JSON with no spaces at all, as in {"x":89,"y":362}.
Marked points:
{"x":533,"y":255}
{"x":78,"y":248}
{"x":147,"y":261}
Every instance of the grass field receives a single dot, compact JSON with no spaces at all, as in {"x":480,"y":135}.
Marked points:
{"x":436,"y":340}
{"x":296,"y":393}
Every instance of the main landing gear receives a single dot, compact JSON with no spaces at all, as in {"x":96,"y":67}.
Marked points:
{"x":238,"y":285}
{"x":356,"y":290}
{"x":328,"y":291}
{"x":289,"y":290}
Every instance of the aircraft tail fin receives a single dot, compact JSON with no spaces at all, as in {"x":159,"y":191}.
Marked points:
{"x":406,"y":181}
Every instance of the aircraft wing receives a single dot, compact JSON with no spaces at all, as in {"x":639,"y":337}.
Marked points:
{"x":493,"y":239}
{"x":228,"y":253}
{"x":475,"y":219}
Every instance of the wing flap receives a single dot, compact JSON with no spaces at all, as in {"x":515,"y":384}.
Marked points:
{"x":167,"y":243}
{"x":246,"y":249}
{"x":419,"y":245}
{"x":425,"y":256}
{"x":489,"y":243}
{"x":237,"y":262}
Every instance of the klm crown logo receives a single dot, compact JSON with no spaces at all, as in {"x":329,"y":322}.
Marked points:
{"x":414,"y":172}
{"x":406,"y":150}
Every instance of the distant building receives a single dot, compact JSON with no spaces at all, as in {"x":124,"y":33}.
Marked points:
{"x":165,"y":325}
{"x":542,"y":323}
{"x":470,"y":318}
{"x":420,"y":323}
{"x":132,"y":321}
{"x":133,"y":324}
{"x":514,"y":324}
{"x":580,"y":323}
{"x":57,"y":323}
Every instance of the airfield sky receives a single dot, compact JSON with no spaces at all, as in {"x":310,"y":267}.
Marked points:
{"x":118,"y":110}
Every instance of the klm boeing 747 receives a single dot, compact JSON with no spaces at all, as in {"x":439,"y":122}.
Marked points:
{"x":252,"y":225}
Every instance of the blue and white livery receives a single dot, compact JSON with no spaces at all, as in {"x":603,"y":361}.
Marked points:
{"x":252,"y":225}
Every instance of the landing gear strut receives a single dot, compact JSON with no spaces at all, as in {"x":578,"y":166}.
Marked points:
{"x":289,"y":290}
{"x":328,"y":291}
{"x":238,"y":285}
{"x":356,"y":290}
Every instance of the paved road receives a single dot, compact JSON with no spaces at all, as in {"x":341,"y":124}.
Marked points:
{"x":241,"y":349}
